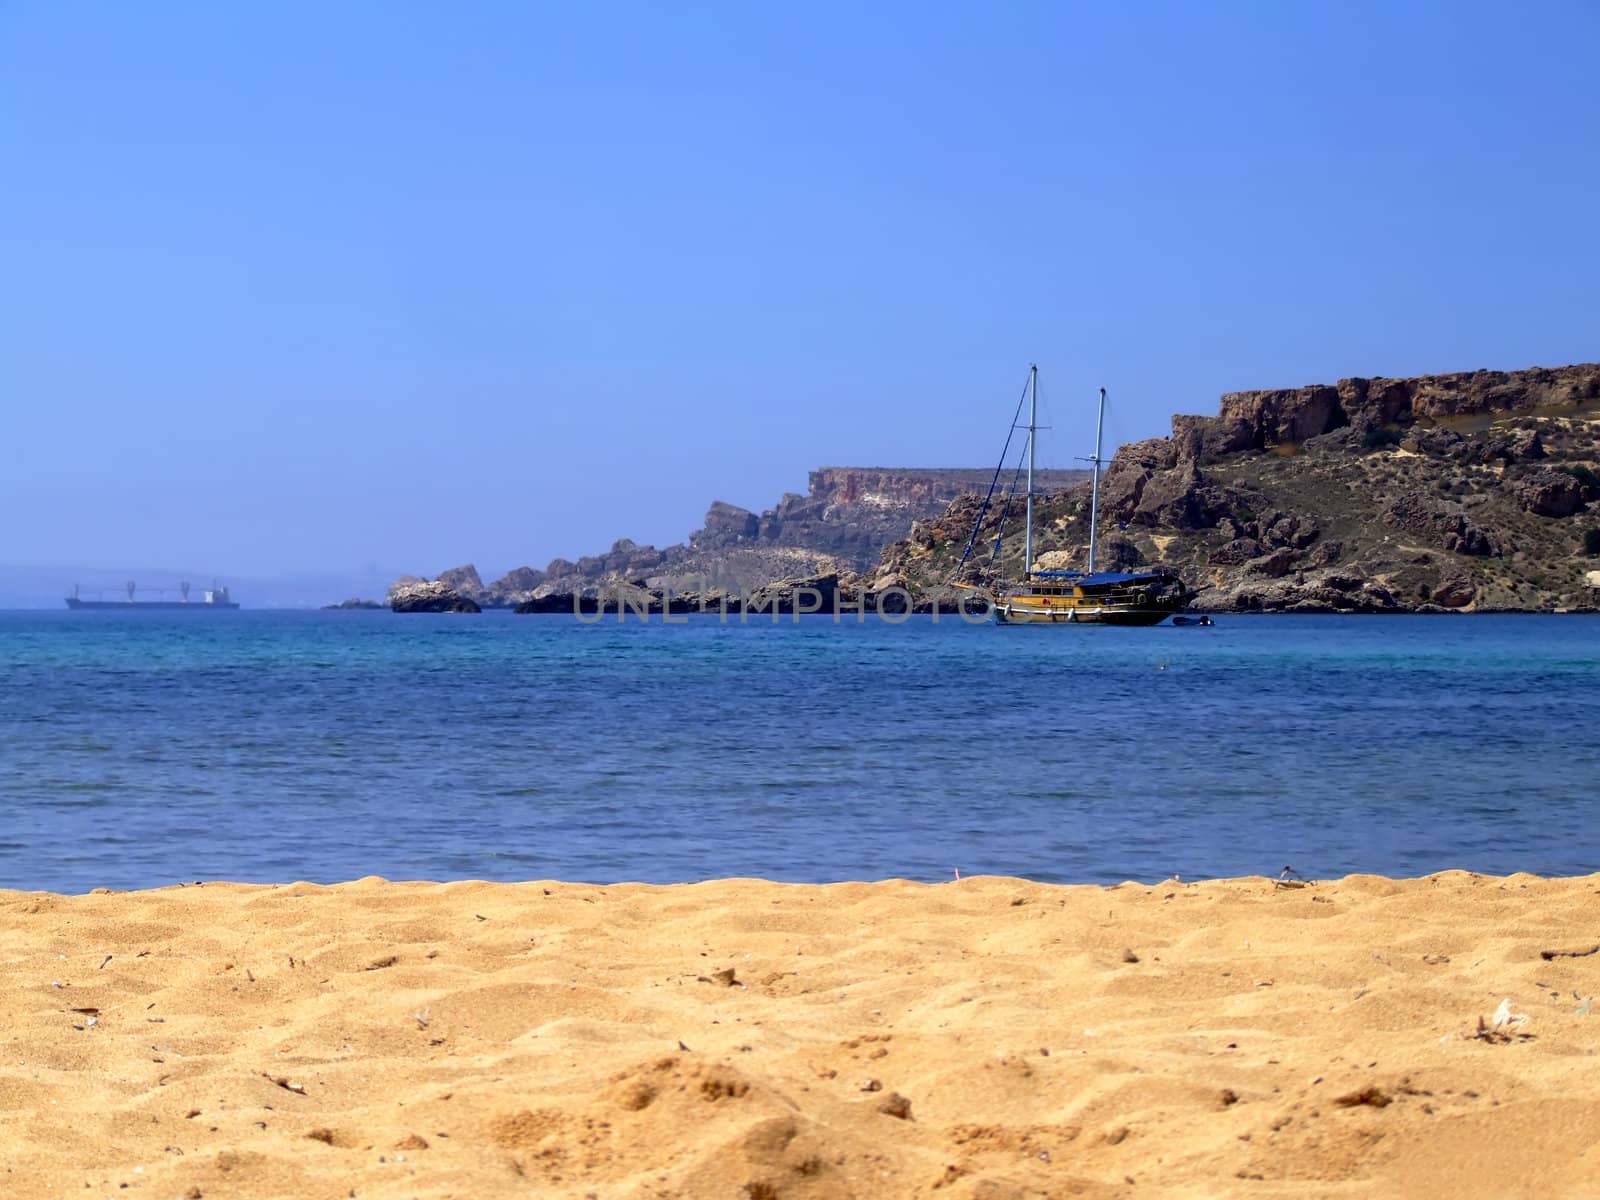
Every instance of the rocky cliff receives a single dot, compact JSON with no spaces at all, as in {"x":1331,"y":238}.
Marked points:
{"x":841,"y":524}
{"x":1473,"y":491}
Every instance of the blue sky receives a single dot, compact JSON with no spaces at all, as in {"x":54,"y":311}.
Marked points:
{"x":307,"y":286}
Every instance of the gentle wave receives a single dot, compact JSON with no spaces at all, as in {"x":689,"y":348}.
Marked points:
{"x":267,"y":746}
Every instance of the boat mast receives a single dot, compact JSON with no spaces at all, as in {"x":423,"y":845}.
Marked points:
{"x":1033,"y":425}
{"x":1094,"y":490}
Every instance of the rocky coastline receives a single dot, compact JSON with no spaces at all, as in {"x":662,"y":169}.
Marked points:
{"x":1470,"y":492}
{"x":844,"y":597}
{"x":839,"y":526}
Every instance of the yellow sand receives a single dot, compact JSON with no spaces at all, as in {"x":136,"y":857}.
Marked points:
{"x":484,"y":1040}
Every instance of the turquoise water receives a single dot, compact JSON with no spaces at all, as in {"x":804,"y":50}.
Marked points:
{"x":145,"y":749}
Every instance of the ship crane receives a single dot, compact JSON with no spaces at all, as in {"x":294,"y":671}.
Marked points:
{"x":131,"y":586}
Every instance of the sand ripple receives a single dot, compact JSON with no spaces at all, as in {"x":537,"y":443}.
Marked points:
{"x":989,"y":1039}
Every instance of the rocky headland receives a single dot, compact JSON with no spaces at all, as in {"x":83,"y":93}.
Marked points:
{"x":1469,"y":492}
{"x":1464,"y":492}
{"x":838,"y":527}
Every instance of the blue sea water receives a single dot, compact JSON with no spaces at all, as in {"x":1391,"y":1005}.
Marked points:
{"x":141,"y":749}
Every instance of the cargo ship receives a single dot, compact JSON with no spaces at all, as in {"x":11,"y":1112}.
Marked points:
{"x":213,"y":597}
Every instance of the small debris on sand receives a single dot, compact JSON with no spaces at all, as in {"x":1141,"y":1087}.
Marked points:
{"x":895,"y":1105}
{"x":1547,"y":955}
{"x":1370,"y":1096}
{"x":1504,"y":1026}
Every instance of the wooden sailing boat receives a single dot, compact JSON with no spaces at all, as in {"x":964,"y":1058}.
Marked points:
{"x":1144,"y":597}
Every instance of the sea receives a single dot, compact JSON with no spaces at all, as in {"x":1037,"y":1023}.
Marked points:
{"x":146,"y":749}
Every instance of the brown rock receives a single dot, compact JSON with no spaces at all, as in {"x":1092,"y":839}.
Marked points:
{"x":1438,"y":442}
{"x":895,"y":1105}
{"x":1505,"y":446}
{"x":1211,"y":437}
{"x":1122,"y":488}
{"x":1275,"y":565}
{"x":1119,"y":553}
{"x":1454,"y":591}
{"x":1548,"y":493}
{"x":1325,"y":554}
{"x":1504,"y":391}
{"x":1285,"y":417}
{"x":1369,"y":403}
{"x":1240,"y":550}
{"x":1443,"y":523}
{"x":1287,"y":529}
{"x":1155,"y":454}
{"x":1169,"y":500}
{"x":1526,"y":444}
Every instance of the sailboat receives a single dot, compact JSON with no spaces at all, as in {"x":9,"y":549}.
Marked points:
{"x":1091,"y":596}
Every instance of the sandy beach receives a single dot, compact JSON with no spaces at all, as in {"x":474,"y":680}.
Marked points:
{"x":987,"y":1038}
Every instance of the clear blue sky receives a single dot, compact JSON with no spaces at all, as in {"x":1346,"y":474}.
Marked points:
{"x":295,"y":285}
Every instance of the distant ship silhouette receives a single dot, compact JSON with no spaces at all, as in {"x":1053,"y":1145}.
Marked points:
{"x":214,"y":597}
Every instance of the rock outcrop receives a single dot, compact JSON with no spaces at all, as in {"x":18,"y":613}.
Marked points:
{"x":430,"y":596}
{"x":505,"y":591}
{"x":1441,"y":523}
{"x":463,"y":581}
{"x":1548,"y":493}
{"x":1440,"y":493}
{"x":726,"y":525}
{"x":1265,"y":419}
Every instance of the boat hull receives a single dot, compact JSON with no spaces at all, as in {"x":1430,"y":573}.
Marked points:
{"x":142,"y":605}
{"x":1075,"y":598}
{"x":1009,"y":614}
